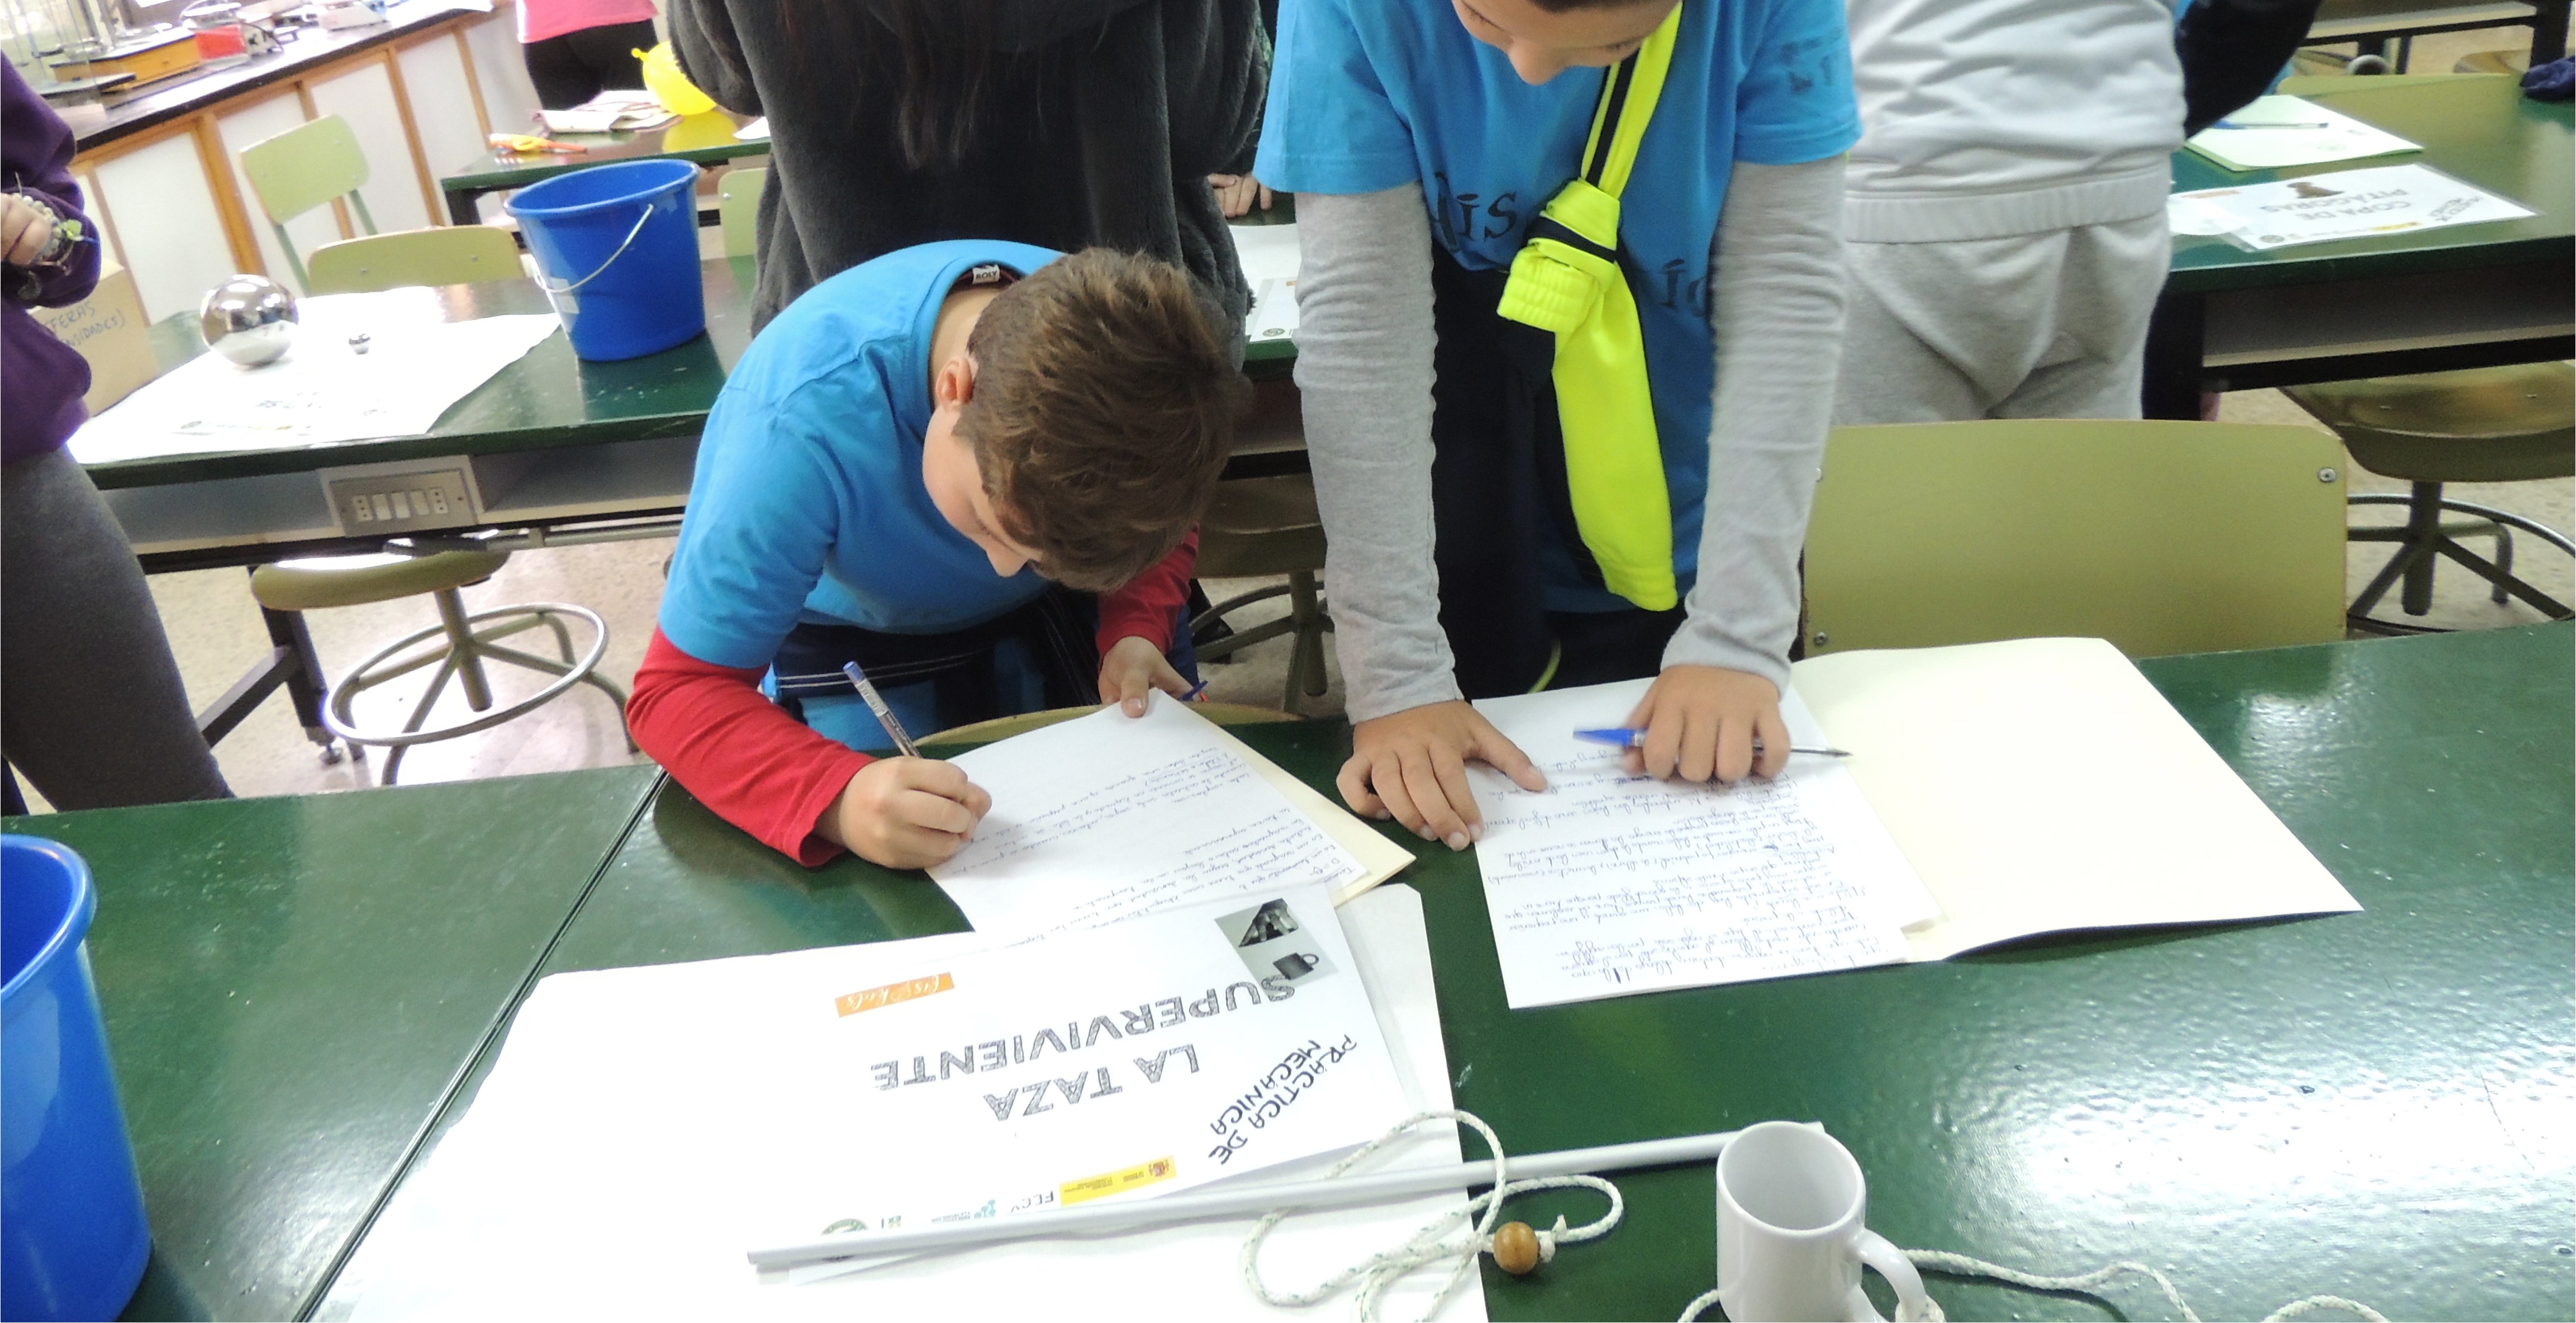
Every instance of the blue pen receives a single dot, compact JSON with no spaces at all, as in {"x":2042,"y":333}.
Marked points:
{"x":1195,"y":690}
{"x":1622,"y":737}
{"x":877,"y":704}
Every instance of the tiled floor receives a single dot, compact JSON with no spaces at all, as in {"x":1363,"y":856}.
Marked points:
{"x":215,"y":629}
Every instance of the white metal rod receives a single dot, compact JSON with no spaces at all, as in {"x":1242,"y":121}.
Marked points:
{"x":1212,"y":1204}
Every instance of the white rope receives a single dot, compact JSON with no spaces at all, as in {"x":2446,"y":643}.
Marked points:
{"x":1381,"y":1271}
{"x":1960,"y":1265}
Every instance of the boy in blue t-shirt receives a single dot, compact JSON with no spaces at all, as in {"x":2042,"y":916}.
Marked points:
{"x":911,"y":466}
{"x":1424,"y":138}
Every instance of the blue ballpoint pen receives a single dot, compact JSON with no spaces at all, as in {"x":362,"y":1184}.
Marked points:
{"x":877,"y":704}
{"x":1623,"y":737}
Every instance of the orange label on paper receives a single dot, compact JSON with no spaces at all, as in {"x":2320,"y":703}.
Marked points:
{"x":855,"y":1002}
{"x":1118,"y":1182}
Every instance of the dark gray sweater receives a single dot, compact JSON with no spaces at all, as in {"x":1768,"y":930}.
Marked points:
{"x":1104,"y":119}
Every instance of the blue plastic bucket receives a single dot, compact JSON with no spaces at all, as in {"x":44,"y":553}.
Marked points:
{"x":72,"y":1237}
{"x":619,"y":248}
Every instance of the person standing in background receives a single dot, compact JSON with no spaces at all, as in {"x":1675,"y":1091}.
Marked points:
{"x":577,"y":49}
{"x":91,"y":707}
{"x":2005,"y":213}
{"x":1066,"y":124}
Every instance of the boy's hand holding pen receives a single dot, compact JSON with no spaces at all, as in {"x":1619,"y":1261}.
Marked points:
{"x":907,"y":811}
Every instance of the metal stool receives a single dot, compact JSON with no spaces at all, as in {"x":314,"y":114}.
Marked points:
{"x":2505,"y":424}
{"x":1259,"y":527}
{"x":468,"y":640}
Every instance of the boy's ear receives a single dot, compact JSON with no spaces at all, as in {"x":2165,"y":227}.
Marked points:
{"x":955,"y":384}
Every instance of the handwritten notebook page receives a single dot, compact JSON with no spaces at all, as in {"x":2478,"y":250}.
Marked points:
{"x":1606,"y":884}
{"x":1108,"y":816}
{"x":2042,"y":785}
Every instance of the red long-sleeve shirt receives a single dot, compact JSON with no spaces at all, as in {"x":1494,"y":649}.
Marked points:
{"x":769,"y":774}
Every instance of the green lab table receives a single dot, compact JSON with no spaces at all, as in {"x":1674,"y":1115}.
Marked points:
{"x":2431,"y":300}
{"x":2367,"y":1104}
{"x":293,"y":987}
{"x":702,"y":139}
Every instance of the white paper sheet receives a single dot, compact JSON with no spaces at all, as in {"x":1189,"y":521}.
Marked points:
{"x":1106,"y":817}
{"x":755,"y":131}
{"x":2276,"y":131}
{"x":2042,"y":785}
{"x":416,"y":367}
{"x":1269,"y":254}
{"x":1606,"y":884}
{"x":472,"y":1233}
{"x":2346,"y":204}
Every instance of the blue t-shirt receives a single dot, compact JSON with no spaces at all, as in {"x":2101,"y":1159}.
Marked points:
{"x":808,"y":504}
{"x":1369,"y":94}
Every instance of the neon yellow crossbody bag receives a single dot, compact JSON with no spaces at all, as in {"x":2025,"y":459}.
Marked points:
{"x":1566,"y":280}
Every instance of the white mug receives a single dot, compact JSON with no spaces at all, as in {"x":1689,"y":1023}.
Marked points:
{"x":1790,"y":1238}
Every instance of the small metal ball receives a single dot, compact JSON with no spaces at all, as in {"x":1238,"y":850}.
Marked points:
{"x":248,"y":319}
{"x":1515,"y":1248}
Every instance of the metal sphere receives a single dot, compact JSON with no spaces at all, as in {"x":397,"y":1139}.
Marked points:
{"x":248,"y":319}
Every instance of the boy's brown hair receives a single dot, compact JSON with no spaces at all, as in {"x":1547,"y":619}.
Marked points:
{"x":1104,"y":406}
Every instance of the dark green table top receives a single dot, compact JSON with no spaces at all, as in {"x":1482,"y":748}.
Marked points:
{"x":704,"y":138}
{"x":546,"y":398}
{"x":293,"y":986}
{"x":2371,"y":1105}
{"x":2482,"y":130}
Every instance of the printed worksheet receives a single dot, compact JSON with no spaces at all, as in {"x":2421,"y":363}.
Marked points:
{"x":2347,"y":204}
{"x":1607,"y":884}
{"x":1110,"y":816}
{"x":416,"y":366}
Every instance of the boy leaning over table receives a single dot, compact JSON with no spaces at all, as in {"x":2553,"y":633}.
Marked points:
{"x":971,"y":467}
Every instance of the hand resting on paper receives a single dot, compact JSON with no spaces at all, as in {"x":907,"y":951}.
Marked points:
{"x":1133,"y":669}
{"x":1701,"y":723}
{"x":905,"y":812}
{"x":1412,"y":766}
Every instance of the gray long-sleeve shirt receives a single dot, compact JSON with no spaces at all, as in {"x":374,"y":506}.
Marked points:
{"x":1364,"y":352}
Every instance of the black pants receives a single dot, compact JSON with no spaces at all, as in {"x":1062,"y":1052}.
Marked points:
{"x":1498,"y":489}
{"x":577,"y":66}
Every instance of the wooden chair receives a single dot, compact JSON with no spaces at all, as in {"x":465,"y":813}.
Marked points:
{"x":738,"y":209}
{"x":2500,"y":424}
{"x":1260,"y":528}
{"x":444,"y":255}
{"x":308,"y":166}
{"x":2162,"y":537}
{"x":1002,"y":728}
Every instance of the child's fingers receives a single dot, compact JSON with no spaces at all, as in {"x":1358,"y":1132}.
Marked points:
{"x":1703,"y":738}
{"x":1492,"y":748}
{"x":1440,"y":820}
{"x":1451,"y":770}
{"x":1354,"y":784}
{"x":1734,"y":746}
{"x":1774,"y":734}
{"x":1386,"y":776}
{"x":945,"y":780}
{"x":925,"y":811}
{"x":1663,"y":747}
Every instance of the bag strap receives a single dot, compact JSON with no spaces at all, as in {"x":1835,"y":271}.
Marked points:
{"x":1629,"y":92}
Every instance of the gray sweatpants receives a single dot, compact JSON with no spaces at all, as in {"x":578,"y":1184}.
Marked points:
{"x":2049,"y":325}
{"x":91,"y":709}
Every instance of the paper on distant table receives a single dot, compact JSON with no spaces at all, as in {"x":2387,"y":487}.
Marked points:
{"x":2338,"y":137}
{"x":475,"y":1233}
{"x":1109,"y":816}
{"x":2042,"y":785}
{"x":1270,"y":256}
{"x":2346,"y":204}
{"x":1607,"y":884}
{"x":755,"y":131}
{"x":416,"y":368}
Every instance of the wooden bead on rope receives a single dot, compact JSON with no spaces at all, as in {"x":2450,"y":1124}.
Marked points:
{"x":1515,"y":1248}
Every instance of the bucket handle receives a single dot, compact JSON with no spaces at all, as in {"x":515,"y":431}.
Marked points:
{"x":612,"y":257}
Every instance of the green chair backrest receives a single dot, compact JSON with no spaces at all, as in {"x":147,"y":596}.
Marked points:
{"x":2162,"y":537}
{"x":738,"y":209}
{"x":303,"y":168}
{"x":448,"y":255}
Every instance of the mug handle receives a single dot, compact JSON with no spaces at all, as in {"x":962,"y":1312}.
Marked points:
{"x":1912,"y":1305}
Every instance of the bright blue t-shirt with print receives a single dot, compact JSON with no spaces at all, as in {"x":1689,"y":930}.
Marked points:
{"x":1366,"y":95}
{"x":808,"y":504}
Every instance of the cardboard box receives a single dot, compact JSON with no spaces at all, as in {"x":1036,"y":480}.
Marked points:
{"x":108,"y":329}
